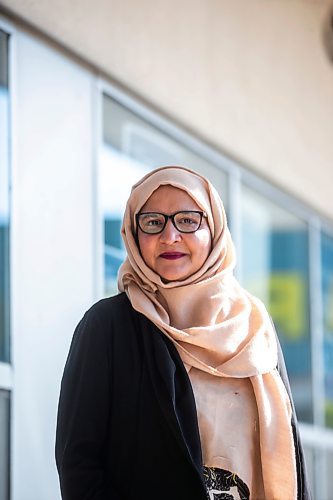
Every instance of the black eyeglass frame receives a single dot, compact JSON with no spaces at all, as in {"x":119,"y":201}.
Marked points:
{"x":172,"y":217}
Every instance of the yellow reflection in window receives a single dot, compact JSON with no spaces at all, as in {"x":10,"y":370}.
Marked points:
{"x":287,"y":303}
{"x":284,"y":294}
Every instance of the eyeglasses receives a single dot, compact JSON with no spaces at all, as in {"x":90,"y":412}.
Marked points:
{"x":187,"y":221}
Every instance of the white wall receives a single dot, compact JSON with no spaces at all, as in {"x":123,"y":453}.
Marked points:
{"x":52,"y":247}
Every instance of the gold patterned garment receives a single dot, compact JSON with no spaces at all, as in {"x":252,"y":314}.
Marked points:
{"x":224,"y":485}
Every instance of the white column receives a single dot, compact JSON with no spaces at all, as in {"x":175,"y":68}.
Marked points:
{"x":52,"y":247}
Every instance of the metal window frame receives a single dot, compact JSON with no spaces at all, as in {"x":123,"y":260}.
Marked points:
{"x":6,"y":369}
{"x":6,"y":372}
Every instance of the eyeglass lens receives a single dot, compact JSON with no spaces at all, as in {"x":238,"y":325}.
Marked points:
{"x":186,"y":222}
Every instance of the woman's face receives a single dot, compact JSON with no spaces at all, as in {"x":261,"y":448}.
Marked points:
{"x":172,"y":254}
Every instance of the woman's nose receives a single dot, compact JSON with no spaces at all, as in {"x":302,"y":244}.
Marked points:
{"x":170,"y":233}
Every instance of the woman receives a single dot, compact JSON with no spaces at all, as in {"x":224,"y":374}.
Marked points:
{"x":175,"y":389}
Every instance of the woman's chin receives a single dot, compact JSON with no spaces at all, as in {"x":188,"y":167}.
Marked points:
{"x":169,"y":277}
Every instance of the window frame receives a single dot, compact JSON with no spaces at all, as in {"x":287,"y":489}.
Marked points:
{"x":6,"y":368}
{"x":6,"y":372}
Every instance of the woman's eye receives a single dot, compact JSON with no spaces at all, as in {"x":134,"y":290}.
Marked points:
{"x":187,"y":221}
{"x":154,"y":222}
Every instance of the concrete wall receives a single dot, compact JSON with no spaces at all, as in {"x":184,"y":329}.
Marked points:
{"x":250,"y":76}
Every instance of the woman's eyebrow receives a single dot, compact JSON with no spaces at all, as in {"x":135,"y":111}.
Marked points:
{"x":183,"y":209}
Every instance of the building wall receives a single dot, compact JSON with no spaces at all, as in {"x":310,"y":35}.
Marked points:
{"x":52,"y":248}
{"x":249,"y":76}
{"x":268,"y":108}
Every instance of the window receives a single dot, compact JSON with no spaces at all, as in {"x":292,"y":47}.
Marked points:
{"x":4,"y":201}
{"x":275,"y":264}
{"x":131,"y":148}
{"x":273,"y":244}
{"x":327,"y":291}
{"x":4,"y":444}
{"x":4,"y":264}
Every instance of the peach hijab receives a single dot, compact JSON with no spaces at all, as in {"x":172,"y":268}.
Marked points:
{"x":225,"y":338}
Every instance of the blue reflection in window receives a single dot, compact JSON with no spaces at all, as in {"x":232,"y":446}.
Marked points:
{"x":114,"y":252}
{"x":327,"y":289}
{"x":290,"y":257}
{"x":4,"y":200}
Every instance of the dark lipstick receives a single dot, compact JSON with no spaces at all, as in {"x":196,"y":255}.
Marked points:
{"x":172,"y":255}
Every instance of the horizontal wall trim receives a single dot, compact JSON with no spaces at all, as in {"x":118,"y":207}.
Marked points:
{"x":317,"y":437}
{"x":6,"y":376}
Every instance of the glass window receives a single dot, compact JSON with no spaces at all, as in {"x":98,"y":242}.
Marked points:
{"x":275,"y":268}
{"x":4,"y":200}
{"x":4,"y":444}
{"x":327,"y":290}
{"x":131,"y":148}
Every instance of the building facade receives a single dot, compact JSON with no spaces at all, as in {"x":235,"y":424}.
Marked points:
{"x":79,"y":126}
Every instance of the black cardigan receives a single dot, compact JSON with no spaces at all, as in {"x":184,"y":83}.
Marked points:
{"x":127,"y":426}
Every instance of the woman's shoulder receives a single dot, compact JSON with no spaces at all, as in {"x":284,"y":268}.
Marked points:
{"x":119,"y":301}
{"x":104,"y":319}
{"x":110,"y":308}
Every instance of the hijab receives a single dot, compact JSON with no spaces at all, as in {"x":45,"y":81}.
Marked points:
{"x":225,"y":338}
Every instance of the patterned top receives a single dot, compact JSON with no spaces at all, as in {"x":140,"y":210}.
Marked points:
{"x":224,"y":485}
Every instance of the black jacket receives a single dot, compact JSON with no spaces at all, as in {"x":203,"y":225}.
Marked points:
{"x":127,"y":426}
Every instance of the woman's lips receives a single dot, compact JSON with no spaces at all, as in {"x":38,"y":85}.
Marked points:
{"x":172,"y":255}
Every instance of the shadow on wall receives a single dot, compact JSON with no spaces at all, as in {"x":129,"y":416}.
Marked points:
{"x":328,"y":34}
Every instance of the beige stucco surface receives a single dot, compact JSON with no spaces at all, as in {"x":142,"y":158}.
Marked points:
{"x":250,"y":76}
